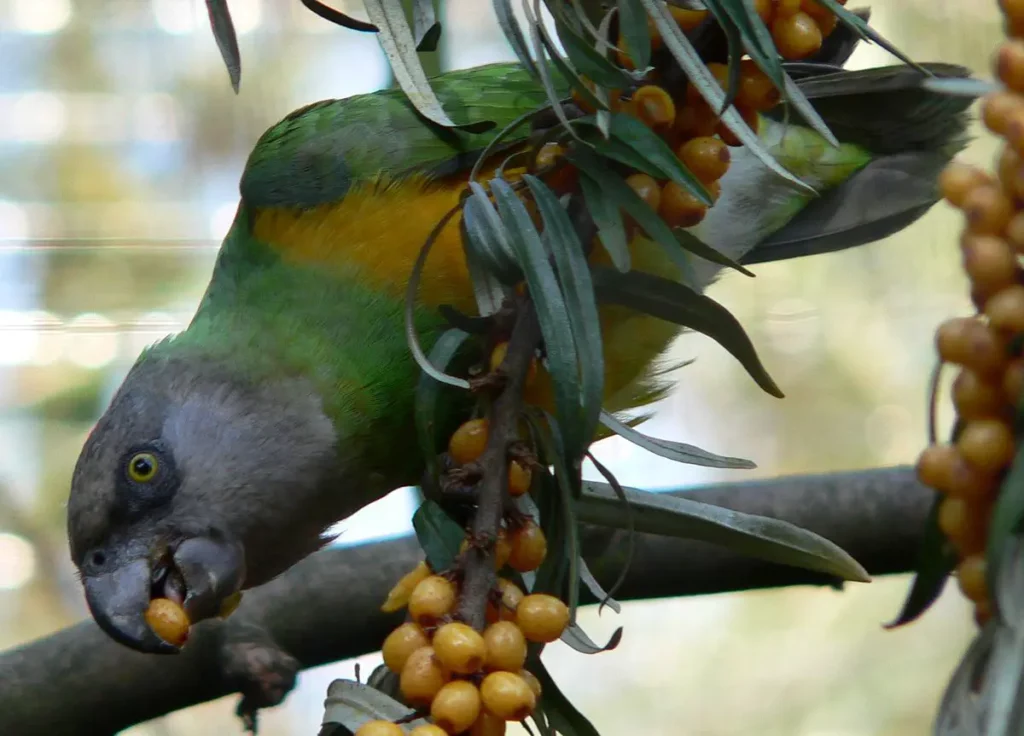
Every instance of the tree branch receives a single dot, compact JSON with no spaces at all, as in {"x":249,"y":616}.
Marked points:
{"x":80,"y":683}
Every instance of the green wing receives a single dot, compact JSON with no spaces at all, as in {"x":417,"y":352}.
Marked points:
{"x":317,"y":153}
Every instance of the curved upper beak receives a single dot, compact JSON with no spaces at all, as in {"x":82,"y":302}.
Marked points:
{"x":208,"y":570}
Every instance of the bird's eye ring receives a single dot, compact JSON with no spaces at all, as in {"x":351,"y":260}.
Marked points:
{"x":142,"y":467}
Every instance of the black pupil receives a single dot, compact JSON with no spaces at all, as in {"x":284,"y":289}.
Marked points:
{"x":142,"y":467}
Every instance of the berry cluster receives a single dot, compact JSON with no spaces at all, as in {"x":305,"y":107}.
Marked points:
{"x":986,"y":347}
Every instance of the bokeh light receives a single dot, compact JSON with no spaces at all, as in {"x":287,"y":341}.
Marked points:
{"x":17,"y":561}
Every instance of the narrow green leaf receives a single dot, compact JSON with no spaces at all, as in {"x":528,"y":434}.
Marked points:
{"x":428,"y":396}
{"x":537,"y":40}
{"x":627,"y":512}
{"x":493,"y":146}
{"x":606,"y":216}
{"x":865,"y":31}
{"x":633,"y":28}
{"x":734,"y":45}
{"x":589,"y":61}
{"x":678,"y":451}
{"x":578,"y":639}
{"x":227,"y":41}
{"x":550,"y":576}
{"x":398,"y":44}
{"x":514,"y":36}
{"x":702,"y":79}
{"x":426,"y":30}
{"x":560,"y":711}
{"x":573,"y":273}
{"x":569,"y":482}
{"x":352,"y":704}
{"x":565,"y":69}
{"x":488,"y":237}
{"x":617,"y":150}
{"x":655,"y":150}
{"x":338,"y":18}
{"x":698,"y":247}
{"x":935,"y":561}
{"x":596,"y":589}
{"x":756,"y":536}
{"x":674,"y":302}
{"x":551,"y":310}
{"x":437,"y":534}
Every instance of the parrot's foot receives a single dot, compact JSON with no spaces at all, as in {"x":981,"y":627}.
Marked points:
{"x":491,"y":382}
{"x":261,"y":671}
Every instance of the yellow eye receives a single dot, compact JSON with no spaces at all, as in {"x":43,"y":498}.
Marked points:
{"x":142,"y":467}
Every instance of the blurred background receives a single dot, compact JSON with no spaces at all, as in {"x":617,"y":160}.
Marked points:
{"x":121,"y":146}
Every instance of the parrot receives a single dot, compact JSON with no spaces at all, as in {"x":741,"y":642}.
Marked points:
{"x":287,"y":403}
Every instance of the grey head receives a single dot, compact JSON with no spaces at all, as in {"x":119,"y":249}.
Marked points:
{"x":194,"y":484}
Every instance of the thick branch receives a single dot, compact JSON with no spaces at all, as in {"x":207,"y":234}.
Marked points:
{"x":327,"y":608}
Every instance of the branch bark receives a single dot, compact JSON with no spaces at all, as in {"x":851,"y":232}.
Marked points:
{"x":327,"y":608}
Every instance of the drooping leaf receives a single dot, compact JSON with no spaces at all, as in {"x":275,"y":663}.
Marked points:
{"x":514,"y":35}
{"x":438,"y":535}
{"x":699,"y":248}
{"x":596,"y":589}
{"x":633,"y":29}
{"x":488,"y":238}
{"x":544,"y":70}
{"x":678,"y":451}
{"x":552,"y":315}
{"x":352,"y":704}
{"x":589,"y":61}
{"x":399,"y":46}
{"x":935,"y":561}
{"x":568,"y":480}
{"x":657,"y":152}
{"x":757,"y":536}
{"x":338,"y":18}
{"x":579,"y":640}
{"x":428,"y":394}
{"x":682,"y":305}
{"x":573,"y":273}
{"x":611,"y":231}
{"x":868,"y":33}
{"x":559,"y":710}
{"x":734,"y":44}
{"x":426,"y":30}
{"x":496,"y":141}
{"x":697,"y":72}
{"x":627,"y":513}
{"x":550,"y":577}
{"x":227,"y":41}
{"x":568,"y":73}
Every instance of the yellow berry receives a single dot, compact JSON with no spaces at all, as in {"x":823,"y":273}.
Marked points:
{"x":708,"y":158}
{"x":518,"y":479}
{"x":469,"y":441}
{"x":654,"y":107}
{"x":422,"y":677}
{"x":511,"y":595}
{"x":548,"y":155}
{"x":428,"y":729}
{"x":529,"y":547}
{"x":687,"y":19}
{"x":460,"y":648}
{"x":965,"y":523}
{"x":456,"y":706}
{"x":380,"y":728}
{"x":977,"y":398}
{"x":532,"y":681}
{"x":487,"y":724}
{"x":987,"y":209}
{"x":646,"y":188}
{"x":541,"y":617}
{"x":1011,"y":172}
{"x":989,"y":262}
{"x":398,"y":597}
{"x":756,"y":89}
{"x":502,"y":550}
{"x":786,"y":8}
{"x":506,"y":647}
{"x":1005,"y":310}
{"x":967,"y":342}
{"x":431,"y":599}
{"x":401,"y":643}
{"x":958,"y":179}
{"x":935,"y":465}
{"x":1010,"y":65}
{"x":507,"y":696}
{"x":970,"y":573}
{"x":764,"y":8}
{"x":679,"y":208}
{"x":168,"y":620}
{"x":498,"y":357}
{"x":987,"y":444}
{"x":998,"y":109}
{"x":1015,"y":232}
{"x":796,"y":36}
{"x":1013,"y":382}
{"x":696,"y":118}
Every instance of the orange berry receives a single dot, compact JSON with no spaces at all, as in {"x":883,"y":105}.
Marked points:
{"x":750,"y":117}
{"x":827,"y":25}
{"x":1005,"y":310}
{"x":989,"y":262}
{"x":502,"y":550}
{"x":469,"y":441}
{"x":987,"y":209}
{"x":1013,"y":9}
{"x":518,"y":479}
{"x":796,"y":36}
{"x":431,"y":599}
{"x":401,"y":643}
{"x":654,"y":107}
{"x":422,"y":677}
{"x":998,"y":110}
{"x":965,"y":523}
{"x":168,"y":620}
{"x":982,"y":611}
{"x":532,"y":681}
{"x":721,"y":74}
{"x":529,"y":547}
{"x":944,"y":468}
{"x":756,"y":89}
{"x":460,"y":648}
{"x":786,"y":8}
{"x":498,"y":357}
{"x":1010,"y":64}
{"x":976,"y":398}
{"x":428,"y":729}
{"x":764,"y":8}
{"x":968,"y":342}
{"x":511,"y":595}
{"x":380,"y":728}
{"x":507,"y":696}
{"x":456,"y":706}
{"x":707,"y":158}
{"x":487,"y":725}
{"x":1015,"y":233}
{"x":958,"y":179}
{"x":987,"y":444}
{"x":970,"y":573}
{"x":547,"y":155}
{"x":506,"y":646}
{"x":695,"y":119}
{"x":817,"y":10}
{"x":542,"y":617}
{"x":1011,"y":172}
{"x":398,"y":596}
{"x":1013,"y":382}
{"x":646,"y":188}
{"x":679,"y":208}
{"x":935,"y":465}
{"x":687,"y":19}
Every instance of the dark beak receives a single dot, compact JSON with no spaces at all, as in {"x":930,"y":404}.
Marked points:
{"x":209,"y":570}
